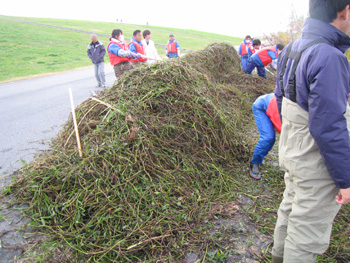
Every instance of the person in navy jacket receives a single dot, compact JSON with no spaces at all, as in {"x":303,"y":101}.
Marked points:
{"x":262,"y":58}
{"x":313,"y":83}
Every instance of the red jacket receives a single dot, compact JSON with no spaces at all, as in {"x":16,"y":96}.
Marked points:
{"x":139,"y":49}
{"x":244,"y":48}
{"x":264,"y":56}
{"x":172,"y":48}
{"x":272,"y":112}
{"x":114,"y":59}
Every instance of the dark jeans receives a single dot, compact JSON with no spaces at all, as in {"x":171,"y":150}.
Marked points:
{"x":244,"y":62}
{"x":251,"y":66}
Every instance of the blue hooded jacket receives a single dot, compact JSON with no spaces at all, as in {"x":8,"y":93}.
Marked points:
{"x":322,"y":87}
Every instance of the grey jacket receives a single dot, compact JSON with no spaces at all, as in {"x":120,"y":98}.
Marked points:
{"x":96,"y":52}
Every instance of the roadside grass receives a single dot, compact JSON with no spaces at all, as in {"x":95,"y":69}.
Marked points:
{"x":34,"y":49}
{"x":188,"y":39}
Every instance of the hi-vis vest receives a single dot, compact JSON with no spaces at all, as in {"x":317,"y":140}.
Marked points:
{"x":171,"y":48}
{"x":264,"y":55}
{"x":272,"y":112}
{"x":244,"y":48}
{"x":139,"y":49}
{"x":114,"y":59}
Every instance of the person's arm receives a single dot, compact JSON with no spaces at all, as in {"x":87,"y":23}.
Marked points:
{"x":132,"y":48}
{"x":155,"y":52}
{"x":103,"y":51}
{"x":89,"y":51}
{"x":329,"y":89}
{"x":240,"y":50}
{"x":272,"y":54}
{"x":114,"y":49}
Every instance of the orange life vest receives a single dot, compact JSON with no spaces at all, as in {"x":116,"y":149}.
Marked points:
{"x":114,"y":59}
{"x":244,"y":48}
{"x":139,"y":49}
{"x":264,"y":56}
{"x":171,"y":48}
{"x":272,"y":112}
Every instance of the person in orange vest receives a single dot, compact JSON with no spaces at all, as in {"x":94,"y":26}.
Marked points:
{"x":137,"y":47}
{"x":262,"y":58}
{"x":172,"y":47}
{"x":267,"y":119}
{"x":118,"y":53}
{"x":253,"y":48}
{"x":243,"y":51}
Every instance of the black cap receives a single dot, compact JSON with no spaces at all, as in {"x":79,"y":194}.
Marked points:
{"x":171,"y":35}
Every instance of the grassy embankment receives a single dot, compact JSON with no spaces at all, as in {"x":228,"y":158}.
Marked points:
{"x":34,"y":49}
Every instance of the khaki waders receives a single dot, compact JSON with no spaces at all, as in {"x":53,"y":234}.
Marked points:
{"x":120,"y":68}
{"x":308,"y":209}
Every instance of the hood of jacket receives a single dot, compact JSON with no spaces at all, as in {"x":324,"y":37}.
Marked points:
{"x":314,"y":28}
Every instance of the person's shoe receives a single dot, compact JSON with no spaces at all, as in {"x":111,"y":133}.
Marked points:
{"x":254,"y":171}
{"x":276,"y":259}
{"x":99,"y":85}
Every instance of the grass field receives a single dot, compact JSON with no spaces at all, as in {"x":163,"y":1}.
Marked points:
{"x":34,"y":49}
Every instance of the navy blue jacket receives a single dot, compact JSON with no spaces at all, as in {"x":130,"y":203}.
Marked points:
{"x":323,"y":85}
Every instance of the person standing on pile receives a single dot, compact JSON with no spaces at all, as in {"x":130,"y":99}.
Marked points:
{"x":243,"y":51}
{"x":267,"y":119}
{"x":149,"y":46}
{"x":314,"y":150}
{"x":172,"y":47}
{"x":136,"y":47}
{"x":118,"y":53}
{"x":262,"y":58}
{"x":256,"y":46}
{"x":96,"y":52}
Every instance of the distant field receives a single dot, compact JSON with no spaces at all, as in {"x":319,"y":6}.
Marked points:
{"x":29,"y":49}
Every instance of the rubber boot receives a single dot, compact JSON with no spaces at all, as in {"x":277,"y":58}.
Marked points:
{"x":276,"y":259}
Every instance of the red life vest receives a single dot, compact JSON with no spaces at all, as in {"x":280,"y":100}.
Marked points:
{"x":139,"y":49}
{"x":272,"y":112}
{"x":264,"y":56}
{"x":252,"y":49}
{"x":244,"y":48}
{"x":171,"y":48}
{"x":114,"y":59}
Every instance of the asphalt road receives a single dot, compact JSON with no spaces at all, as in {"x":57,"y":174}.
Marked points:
{"x":32,"y":112}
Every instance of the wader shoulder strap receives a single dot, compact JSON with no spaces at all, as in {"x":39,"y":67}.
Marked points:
{"x":295,"y":56}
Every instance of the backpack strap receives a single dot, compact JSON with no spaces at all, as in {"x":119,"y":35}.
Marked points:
{"x":295,"y":56}
{"x":287,"y":50}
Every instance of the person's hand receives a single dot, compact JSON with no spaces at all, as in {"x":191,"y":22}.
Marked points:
{"x":138,"y":55}
{"x":344,"y":197}
{"x":134,"y":55}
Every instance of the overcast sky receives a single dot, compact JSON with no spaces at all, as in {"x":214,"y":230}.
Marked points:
{"x":230,"y":17}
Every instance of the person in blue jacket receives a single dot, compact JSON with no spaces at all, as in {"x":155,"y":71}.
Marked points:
{"x":243,"y":51}
{"x":313,"y":83}
{"x":172,"y":47}
{"x":262,"y":58}
{"x":267,"y":119}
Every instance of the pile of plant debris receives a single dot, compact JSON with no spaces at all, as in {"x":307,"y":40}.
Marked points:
{"x":156,"y":146}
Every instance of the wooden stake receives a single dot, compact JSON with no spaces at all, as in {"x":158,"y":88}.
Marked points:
{"x":75,"y":123}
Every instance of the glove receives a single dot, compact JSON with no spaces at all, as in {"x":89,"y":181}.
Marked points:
{"x":134,"y":56}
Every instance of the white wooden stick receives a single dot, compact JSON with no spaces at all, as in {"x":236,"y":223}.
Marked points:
{"x":156,"y":59}
{"x":75,"y":123}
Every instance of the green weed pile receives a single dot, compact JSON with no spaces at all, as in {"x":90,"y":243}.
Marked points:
{"x":156,"y":149}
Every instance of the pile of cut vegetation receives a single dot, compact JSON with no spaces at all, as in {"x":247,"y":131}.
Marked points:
{"x":154,"y":145}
